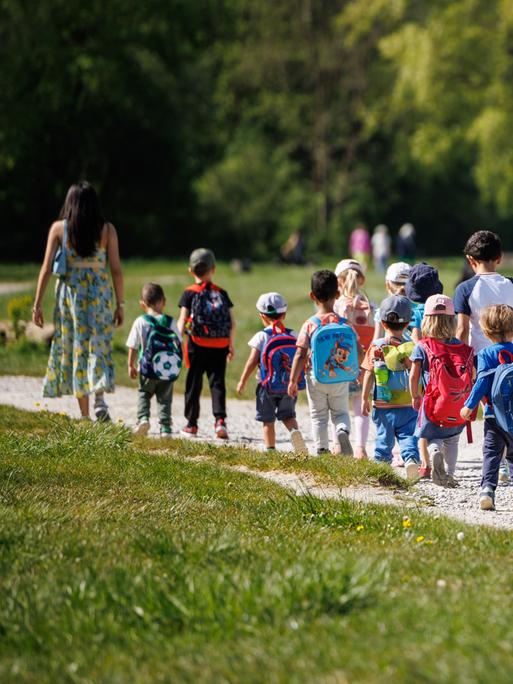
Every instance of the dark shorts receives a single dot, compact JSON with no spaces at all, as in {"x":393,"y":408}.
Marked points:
{"x":270,"y":407}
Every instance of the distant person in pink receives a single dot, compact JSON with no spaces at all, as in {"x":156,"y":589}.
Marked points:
{"x":360,"y":245}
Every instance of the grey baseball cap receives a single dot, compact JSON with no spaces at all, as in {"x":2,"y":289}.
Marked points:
{"x":395,"y":309}
{"x":271,"y":303}
{"x":202,"y":256}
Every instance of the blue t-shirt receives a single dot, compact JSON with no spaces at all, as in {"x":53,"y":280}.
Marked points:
{"x":487,"y":359}
{"x":472,"y":295}
{"x":417,"y":314}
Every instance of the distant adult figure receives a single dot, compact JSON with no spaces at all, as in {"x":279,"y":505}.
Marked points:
{"x":80,"y":360}
{"x":405,"y":243}
{"x":380,"y":248}
{"x":293,"y":250}
{"x":360,"y":245}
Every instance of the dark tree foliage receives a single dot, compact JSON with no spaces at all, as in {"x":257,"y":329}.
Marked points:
{"x":233,"y":122}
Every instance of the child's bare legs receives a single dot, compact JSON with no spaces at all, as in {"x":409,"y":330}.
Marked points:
{"x":83,"y":405}
{"x":360,"y":432}
{"x":424,"y":453}
{"x":269,"y":435}
{"x":290,"y":424}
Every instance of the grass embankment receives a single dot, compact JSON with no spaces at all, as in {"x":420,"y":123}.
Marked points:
{"x":122,"y":565}
{"x":244,"y":289}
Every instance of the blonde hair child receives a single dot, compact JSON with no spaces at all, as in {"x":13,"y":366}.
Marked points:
{"x":354,"y":305}
{"x":436,"y":444}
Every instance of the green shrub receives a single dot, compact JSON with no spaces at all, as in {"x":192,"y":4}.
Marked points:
{"x":19,"y":309}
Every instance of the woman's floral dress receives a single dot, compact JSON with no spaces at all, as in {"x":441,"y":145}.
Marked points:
{"x":80,"y":360}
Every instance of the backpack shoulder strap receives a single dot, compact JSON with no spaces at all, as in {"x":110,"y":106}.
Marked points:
{"x":316,"y":320}
{"x":150,"y":319}
{"x":505,"y":356}
{"x":196,"y":287}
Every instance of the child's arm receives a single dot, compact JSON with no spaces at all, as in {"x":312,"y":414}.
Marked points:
{"x":231,"y":348}
{"x":132,"y":363}
{"x":378,"y":330}
{"x":251,"y":364}
{"x":367,"y":387}
{"x":415,"y":335}
{"x":297,"y":366}
{"x":482,"y":388}
{"x":182,"y":320}
{"x":414,"y":380}
{"x":463,"y":328}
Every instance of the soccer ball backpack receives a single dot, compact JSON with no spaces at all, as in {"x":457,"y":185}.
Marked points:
{"x":162,"y":355}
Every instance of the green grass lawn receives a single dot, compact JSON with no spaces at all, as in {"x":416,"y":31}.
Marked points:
{"x":118,"y":564}
{"x":244,"y":289}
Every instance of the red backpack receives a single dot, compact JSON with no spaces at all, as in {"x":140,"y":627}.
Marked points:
{"x":450,"y":381}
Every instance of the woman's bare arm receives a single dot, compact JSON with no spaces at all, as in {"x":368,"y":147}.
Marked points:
{"x":116,"y":272}
{"x":52,"y":243}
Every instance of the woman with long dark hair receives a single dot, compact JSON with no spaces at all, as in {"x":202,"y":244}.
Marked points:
{"x":80,"y":360}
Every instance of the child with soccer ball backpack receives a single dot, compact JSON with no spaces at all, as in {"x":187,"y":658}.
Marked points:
{"x":155,"y":354}
{"x":272,"y":351}
{"x":443,"y":366}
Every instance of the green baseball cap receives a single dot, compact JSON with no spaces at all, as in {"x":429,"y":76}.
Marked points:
{"x":202,"y":256}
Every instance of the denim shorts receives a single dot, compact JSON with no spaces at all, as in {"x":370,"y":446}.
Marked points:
{"x":270,"y":407}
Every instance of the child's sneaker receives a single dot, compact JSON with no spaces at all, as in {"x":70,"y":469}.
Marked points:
{"x":165,"y":432}
{"x":142,"y":428}
{"x":101,"y":410}
{"x":439,"y":475}
{"x":345,"y":445}
{"x":504,"y":474}
{"x":297,"y":441}
{"x":487,"y":499}
{"x":321,"y":452}
{"x":220,"y":429}
{"x":412,"y":470}
{"x":190,"y":430}
{"x":425,"y":472}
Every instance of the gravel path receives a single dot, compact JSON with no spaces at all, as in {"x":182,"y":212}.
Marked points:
{"x":461,"y":503}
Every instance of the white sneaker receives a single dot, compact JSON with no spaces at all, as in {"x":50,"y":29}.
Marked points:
{"x":345,"y":445}
{"x":142,"y":428}
{"x":297,"y":441}
{"x":504,"y":477}
{"x":487,"y":499}
{"x":412,"y":470}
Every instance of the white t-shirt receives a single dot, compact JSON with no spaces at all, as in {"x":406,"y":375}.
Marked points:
{"x":260,"y":339}
{"x":140,"y":329}
{"x":472,"y":295}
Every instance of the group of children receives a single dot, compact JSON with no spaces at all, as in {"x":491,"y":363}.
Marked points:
{"x":418,"y":365}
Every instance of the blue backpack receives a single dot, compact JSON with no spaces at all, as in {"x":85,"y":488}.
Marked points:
{"x":162,"y":355}
{"x":502,"y":391}
{"x":276,"y":361}
{"x":334,"y":349}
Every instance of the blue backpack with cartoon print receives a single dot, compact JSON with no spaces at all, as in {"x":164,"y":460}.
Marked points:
{"x":334,"y":348}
